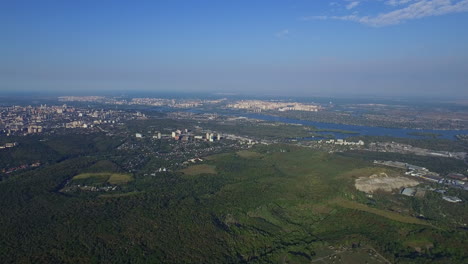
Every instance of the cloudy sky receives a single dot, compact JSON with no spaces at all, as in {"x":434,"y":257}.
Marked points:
{"x":274,"y":47}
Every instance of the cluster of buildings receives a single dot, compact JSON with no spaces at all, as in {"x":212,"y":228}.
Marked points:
{"x":175,"y":103}
{"x":160,"y":170}
{"x":89,"y":188}
{"x":194,"y":160}
{"x":82,"y":99}
{"x":8,"y":145}
{"x":242,"y":139}
{"x":451,"y":179}
{"x":259,"y":105}
{"x":24,"y":120}
{"x":408,"y":149}
{"x":19,"y":120}
{"x":92,"y":99}
{"x":342,"y":142}
{"x":165,"y":102}
{"x":20,"y":167}
{"x":420,"y":192}
{"x":34,"y":129}
{"x":254,"y":105}
{"x":186,"y":135}
{"x":87,"y":123}
{"x":454,"y":180}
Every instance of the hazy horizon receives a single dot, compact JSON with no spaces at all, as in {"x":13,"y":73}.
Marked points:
{"x":275,"y":48}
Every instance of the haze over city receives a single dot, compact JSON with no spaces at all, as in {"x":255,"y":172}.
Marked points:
{"x":287,"y":47}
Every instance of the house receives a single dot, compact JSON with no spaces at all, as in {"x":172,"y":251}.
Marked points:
{"x":457,"y":176}
{"x":452,"y":199}
{"x":408,"y":192}
{"x":432,"y":178}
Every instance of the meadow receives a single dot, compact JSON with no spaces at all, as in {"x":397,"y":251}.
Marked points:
{"x":199,"y":169}
{"x":102,"y":178}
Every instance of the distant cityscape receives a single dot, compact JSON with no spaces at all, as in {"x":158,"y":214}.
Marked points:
{"x":254,"y":105}
{"x":19,"y":120}
{"x":44,"y":119}
{"x":259,"y":105}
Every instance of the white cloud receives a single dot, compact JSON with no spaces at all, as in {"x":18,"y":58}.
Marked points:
{"x":352,"y":5}
{"x":413,"y":9}
{"x":397,"y":2}
{"x":308,"y":18}
{"x":282,"y":34}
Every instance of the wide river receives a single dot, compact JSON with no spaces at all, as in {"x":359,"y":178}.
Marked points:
{"x":359,"y":130}
{"x":362,"y":130}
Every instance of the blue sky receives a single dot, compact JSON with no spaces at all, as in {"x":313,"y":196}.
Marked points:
{"x":274,"y":47}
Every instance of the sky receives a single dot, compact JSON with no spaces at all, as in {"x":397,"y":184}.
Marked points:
{"x":261,"y":47}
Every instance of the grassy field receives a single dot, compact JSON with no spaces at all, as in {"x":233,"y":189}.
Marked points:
{"x":199,"y":169}
{"x":119,"y":178}
{"x":118,"y":195}
{"x":348,"y":256}
{"x":216,"y":156}
{"x":249,"y":154}
{"x":387,"y":214}
{"x":102,"y":178}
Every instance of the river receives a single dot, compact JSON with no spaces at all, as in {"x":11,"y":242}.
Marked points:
{"x":359,"y":130}
{"x":362,"y":130}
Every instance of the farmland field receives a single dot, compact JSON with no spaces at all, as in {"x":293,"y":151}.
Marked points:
{"x":199,"y":169}
{"x":102,"y":178}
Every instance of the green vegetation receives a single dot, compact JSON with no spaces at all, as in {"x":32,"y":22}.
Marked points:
{"x":103,"y":166}
{"x":102,"y":178}
{"x":263,"y":129}
{"x":437,"y":164}
{"x":249,"y":154}
{"x":117,"y":195}
{"x":199,"y":169}
{"x":388,"y":214}
{"x":48,"y":150}
{"x":427,"y":143}
{"x":271,"y":204}
{"x":116,"y":178}
{"x":91,"y":178}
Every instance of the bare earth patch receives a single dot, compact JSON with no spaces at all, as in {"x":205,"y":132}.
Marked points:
{"x":383,"y":182}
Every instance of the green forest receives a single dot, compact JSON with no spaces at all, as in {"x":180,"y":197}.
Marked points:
{"x":270,"y":204}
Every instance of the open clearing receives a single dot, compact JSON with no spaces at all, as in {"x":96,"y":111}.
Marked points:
{"x":350,"y":256}
{"x":217,"y":156}
{"x":117,"y":178}
{"x":199,"y":169}
{"x":248,"y":154}
{"x":117,"y":195}
{"x":383,"y":182}
{"x":104,"y":177}
{"x":387,"y":214}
